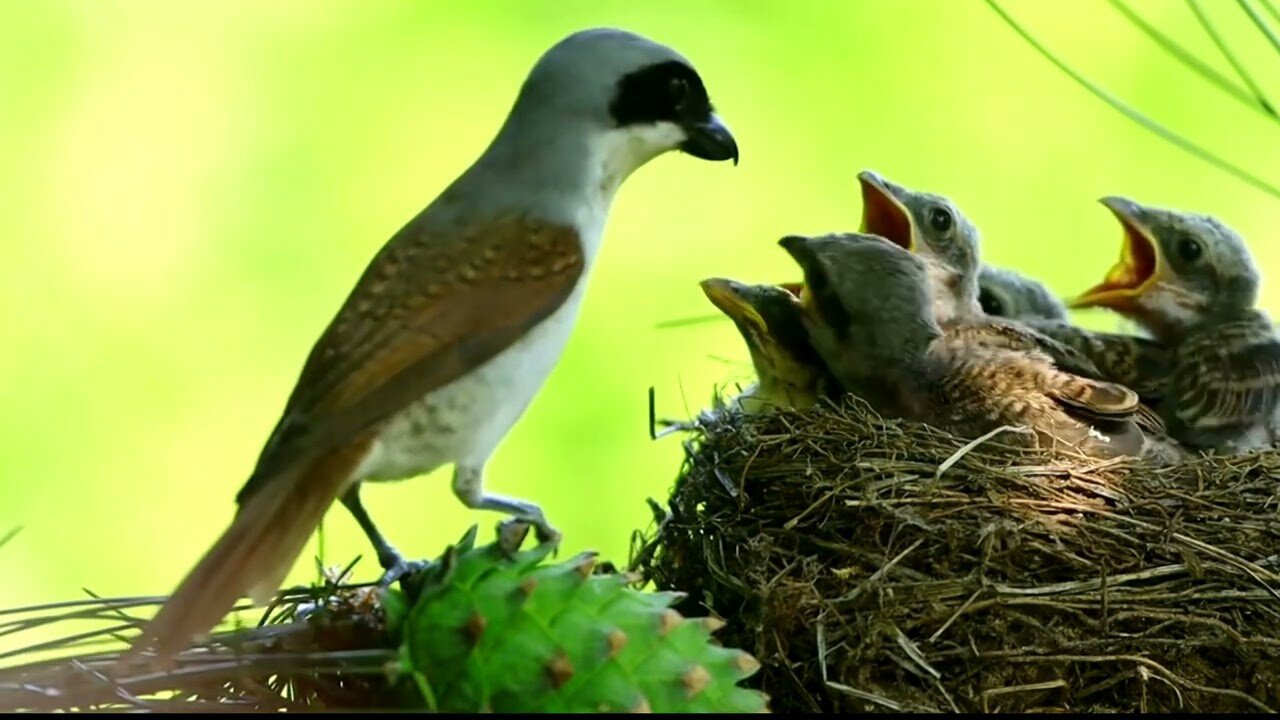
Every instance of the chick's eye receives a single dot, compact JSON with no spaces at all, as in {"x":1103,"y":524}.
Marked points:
{"x":1189,"y":249}
{"x":940,"y":219}
{"x":991,"y":304}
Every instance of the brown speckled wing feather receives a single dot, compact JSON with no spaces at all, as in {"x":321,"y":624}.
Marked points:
{"x":990,"y":382}
{"x":1093,"y":399}
{"x":1014,"y":335}
{"x":425,"y":312}
{"x":1139,"y":363}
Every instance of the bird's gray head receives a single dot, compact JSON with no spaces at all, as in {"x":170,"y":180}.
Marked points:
{"x":933,"y":227}
{"x":865,"y":292}
{"x":631,"y":98}
{"x":1176,"y":269}
{"x":1005,"y":293}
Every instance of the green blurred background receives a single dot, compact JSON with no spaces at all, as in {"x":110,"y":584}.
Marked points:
{"x":188,"y":191}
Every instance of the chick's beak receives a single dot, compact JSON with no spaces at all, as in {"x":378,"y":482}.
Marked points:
{"x":710,"y":139}
{"x":1137,"y":269}
{"x":732,"y":300}
{"x":883,"y":214}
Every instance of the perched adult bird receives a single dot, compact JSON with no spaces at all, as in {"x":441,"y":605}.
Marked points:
{"x":1009,"y":294}
{"x":871,"y":320}
{"x":458,"y":319}
{"x":933,"y":227}
{"x":1190,"y":281}
{"x":789,"y":372}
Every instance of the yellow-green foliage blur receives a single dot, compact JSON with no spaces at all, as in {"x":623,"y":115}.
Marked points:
{"x":189,"y":190}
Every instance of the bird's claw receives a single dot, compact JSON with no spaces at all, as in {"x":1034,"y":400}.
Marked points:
{"x":511,"y":534}
{"x":513,"y":530}
{"x":402,"y":570}
{"x":546,"y":534}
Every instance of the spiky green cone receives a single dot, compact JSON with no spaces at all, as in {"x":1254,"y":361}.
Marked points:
{"x":495,"y":630}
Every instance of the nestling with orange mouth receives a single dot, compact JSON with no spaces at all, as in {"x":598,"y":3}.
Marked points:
{"x":949,"y":244}
{"x":1191,"y":282}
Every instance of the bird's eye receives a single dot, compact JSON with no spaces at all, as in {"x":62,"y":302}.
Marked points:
{"x":991,"y":304}
{"x":679,"y":91}
{"x":1189,"y":249}
{"x":940,"y":219}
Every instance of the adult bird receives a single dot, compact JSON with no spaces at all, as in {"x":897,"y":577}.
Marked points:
{"x":1191,"y":283}
{"x":457,"y":321}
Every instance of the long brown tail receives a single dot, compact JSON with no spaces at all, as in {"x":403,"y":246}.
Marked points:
{"x":254,"y":554}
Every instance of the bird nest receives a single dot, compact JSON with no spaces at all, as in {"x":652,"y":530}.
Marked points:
{"x":882,"y":565}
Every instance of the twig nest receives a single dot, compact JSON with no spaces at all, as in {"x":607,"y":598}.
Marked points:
{"x":877,"y":565}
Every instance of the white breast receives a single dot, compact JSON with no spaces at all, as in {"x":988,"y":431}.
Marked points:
{"x":465,"y":420}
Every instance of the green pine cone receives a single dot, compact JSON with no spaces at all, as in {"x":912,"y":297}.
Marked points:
{"x":493,"y":630}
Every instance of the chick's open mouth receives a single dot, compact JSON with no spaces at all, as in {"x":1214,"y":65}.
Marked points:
{"x":883,"y":215}
{"x":1131,"y":275}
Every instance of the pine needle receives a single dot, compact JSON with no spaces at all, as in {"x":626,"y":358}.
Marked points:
{"x":1137,"y":116}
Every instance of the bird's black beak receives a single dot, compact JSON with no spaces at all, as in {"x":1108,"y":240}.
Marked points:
{"x":710,"y":139}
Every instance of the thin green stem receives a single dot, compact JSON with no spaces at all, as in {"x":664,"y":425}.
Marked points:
{"x":694,"y":320}
{"x":13,"y":532}
{"x":1275,"y":13}
{"x":1245,"y":77}
{"x":1261,"y":23}
{"x":1133,"y":114}
{"x":1186,"y":57}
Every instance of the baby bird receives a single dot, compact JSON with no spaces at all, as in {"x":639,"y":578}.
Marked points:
{"x":932,"y":227}
{"x":788,"y":370}
{"x":871,"y":319}
{"x":1190,"y":281}
{"x":1008,"y":294}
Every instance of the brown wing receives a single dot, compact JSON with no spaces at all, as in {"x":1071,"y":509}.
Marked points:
{"x":1226,"y":382}
{"x":1014,"y":335}
{"x":1093,"y":399}
{"x":430,"y":307}
{"x":993,"y":384}
{"x":1139,"y":363}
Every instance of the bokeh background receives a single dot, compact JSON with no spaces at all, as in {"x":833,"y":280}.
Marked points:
{"x":189,"y":190}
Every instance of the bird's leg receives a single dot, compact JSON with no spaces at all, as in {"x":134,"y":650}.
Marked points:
{"x":468,"y":486}
{"x":392,"y":562}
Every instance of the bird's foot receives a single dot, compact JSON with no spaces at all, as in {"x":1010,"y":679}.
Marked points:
{"x":469,"y":488}
{"x":513,"y":530}
{"x":545,"y":533}
{"x":401,"y":570}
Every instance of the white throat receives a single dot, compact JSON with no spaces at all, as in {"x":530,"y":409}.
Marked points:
{"x":613,"y":156}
